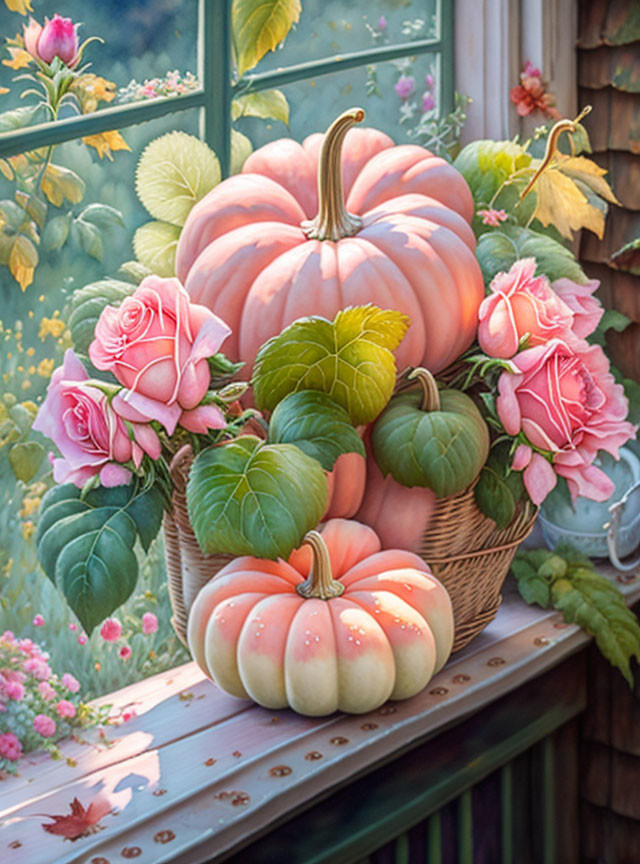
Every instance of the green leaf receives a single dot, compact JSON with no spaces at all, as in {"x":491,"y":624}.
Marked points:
{"x":316,"y":425}
{"x":532,"y":587}
{"x":251,"y":498}
{"x":56,"y":232}
{"x":133,"y":272}
{"x":241,"y":149}
{"x":18,"y":118}
{"x":486,"y":165}
{"x":264,"y":104}
{"x":349,"y":359}
{"x":260,"y":26}
{"x":25,"y":459}
{"x":86,"y":305}
{"x":59,"y":183}
{"x":155,"y":245}
{"x":497,"y":250}
{"x":90,"y":238}
{"x":35,"y":207}
{"x":102,"y":215}
{"x":85,"y":544}
{"x":494,"y":498}
{"x":174,"y":172}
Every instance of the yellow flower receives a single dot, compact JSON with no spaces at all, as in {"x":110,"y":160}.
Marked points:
{"x":20,"y":58}
{"x":26,"y":384}
{"x":106,"y":142}
{"x":31,"y":352}
{"x":51,"y":327}
{"x":29,"y":507}
{"x":45,"y":367}
{"x":21,"y":6}
{"x":27,"y":529}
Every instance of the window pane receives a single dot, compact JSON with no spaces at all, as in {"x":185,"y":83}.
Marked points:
{"x":325,"y":29}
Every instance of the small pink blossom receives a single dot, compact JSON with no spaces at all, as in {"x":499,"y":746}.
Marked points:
{"x":44,"y":725}
{"x":428,"y":102}
{"x":405,"y":85}
{"x":429,"y":81}
{"x":28,"y":646}
{"x":82,"y":639}
{"x":382,"y":24}
{"x":46,"y":691}
{"x":70,"y":682}
{"x":129,"y":715}
{"x":111,"y":630}
{"x":10,"y":747}
{"x":65,"y":708}
{"x":72,"y":626}
{"x":149,"y":623}
{"x":38,"y":668}
{"x":492,"y":217}
{"x":531,"y":70}
{"x":15,"y":690}
{"x":38,"y":620}
{"x":125,"y":652}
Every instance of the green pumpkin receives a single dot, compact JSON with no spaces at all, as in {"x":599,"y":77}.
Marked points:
{"x":431,"y":438}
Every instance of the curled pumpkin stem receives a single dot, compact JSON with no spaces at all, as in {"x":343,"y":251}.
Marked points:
{"x":430,"y":392}
{"x":320,"y":582}
{"x":552,"y":146}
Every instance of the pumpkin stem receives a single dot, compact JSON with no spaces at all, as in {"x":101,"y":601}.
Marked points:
{"x":333,"y":220}
{"x":430,"y":392}
{"x":320,"y":582}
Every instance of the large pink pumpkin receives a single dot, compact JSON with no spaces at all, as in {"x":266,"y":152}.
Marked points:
{"x":340,"y":626}
{"x":276,"y":242}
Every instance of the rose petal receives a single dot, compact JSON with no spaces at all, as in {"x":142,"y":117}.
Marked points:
{"x":115,"y":475}
{"x":539,"y":478}
{"x":141,"y":409}
{"x":147,"y":438}
{"x":202,"y":418}
{"x":521,"y":457}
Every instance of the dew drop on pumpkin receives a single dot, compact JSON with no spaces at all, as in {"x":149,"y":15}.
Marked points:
{"x":358,"y":642}
{"x":306,"y":642}
{"x":316,"y":638}
{"x":407,"y":587}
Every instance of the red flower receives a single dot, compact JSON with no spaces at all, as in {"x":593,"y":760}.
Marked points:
{"x":530,"y":94}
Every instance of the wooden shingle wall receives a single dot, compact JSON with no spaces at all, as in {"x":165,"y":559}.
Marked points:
{"x":609,"y":79}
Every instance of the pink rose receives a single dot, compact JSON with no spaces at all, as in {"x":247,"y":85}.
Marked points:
{"x":10,"y":747}
{"x":111,"y":630}
{"x":587,"y":310}
{"x":66,"y":709}
{"x":565,"y":401}
{"x":44,"y":725}
{"x":38,"y":620}
{"x":58,"y":38}
{"x":46,"y":690}
{"x":125,"y":652}
{"x":149,"y":623}
{"x":38,"y":668}
{"x":82,"y":639}
{"x":15,"y":690}
{"x":520,"y":303}
{"x":157,"y":343}
{"x":70,"y":682}
{"x":89,"y":434}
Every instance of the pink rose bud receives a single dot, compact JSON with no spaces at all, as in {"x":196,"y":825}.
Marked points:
{"x":70,"y":682}
{"x":38,"y":620}
{"x":82,"y":639}
{"x":428,"y":102}
{"x":111,"y":630}
{"x":46,"y":690}
{"x":58,"y":39}
{"x":44,"y":725}
{"x":66,"y":709}
{"x":125,"y":652}
{"x":72,"y":626}
{"x":404,"y":86}
{"x":10,"y":747}
{"x":149,"y":623}
{"x":521,"y":303}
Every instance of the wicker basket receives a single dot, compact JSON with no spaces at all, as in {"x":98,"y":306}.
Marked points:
{"x":471,"y":557}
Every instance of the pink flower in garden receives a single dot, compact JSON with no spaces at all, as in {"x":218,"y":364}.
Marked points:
{"x":38,"y":668}
{"x":531,"y":70}
{"x":125,"y":652}
{"x":82,"y":639}
{"x":382,"y":23}
{"x":587,"y":310}
{"x":129,"y":715}
{"x":38,"y":620}
{"x":149,"y":623}
{"x":66,"y":709}
{"x":10,"y":747}
{"x":44,"y":725}
{"x":89,"y":434}
{"x":429,"y":81}
{"x":530,"y":95}
{"x":428,"y":102}
{"x":111,"y":630}
{"x":58,"y":38}
{"x":28,"y":646}
{"x":493,"y":217}
{"x":70,"y":682}
{"x":46,"y":690}
{"x":72,"y":626}
{"x":520,"y":303}
{"x":15,"y":690}
{"x":405,"y":85}
{"x":565,"y":401}
{"x":157,"y":344}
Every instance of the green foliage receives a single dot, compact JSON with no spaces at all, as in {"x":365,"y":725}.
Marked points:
{"x":566,"y":580}
{"x":611,"y":320}
{"x":316,"y":425}
{"x":155,"y":245}
{"x":499,"y":489}
{"x":251,"y":498}
{"x":260,"y":26}
{"x":84,"y":540}
{"x":25,"y":458}
{"x":350,"y":359}
{"x":264,"y":104}
{"x":486,"y":165}
{"x":86,"y":305}
{"x":497,"y":250}
{"x":443,"y":450}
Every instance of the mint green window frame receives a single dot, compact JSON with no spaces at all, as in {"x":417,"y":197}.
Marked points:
{"x":217,"y":90}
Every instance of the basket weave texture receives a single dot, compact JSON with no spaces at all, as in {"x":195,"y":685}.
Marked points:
{"x":465,"y":550}
{"x":471,"y":556}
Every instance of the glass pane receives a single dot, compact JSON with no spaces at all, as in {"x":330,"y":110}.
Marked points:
{"x":328,"y":28}
{"x":143,"y":39}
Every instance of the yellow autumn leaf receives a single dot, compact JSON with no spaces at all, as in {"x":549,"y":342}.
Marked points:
{"x":561,"y":203}
{"x":20,"y":58}
{"x":589,"y":173}
{"x":59,"y":183}
{"x":6,"y":170}
{"x":4,"y":90}
{"x":21,"y":6}
{"x":106,"y":142}
{"x":23,"y":261}
{"x":91,"y":89}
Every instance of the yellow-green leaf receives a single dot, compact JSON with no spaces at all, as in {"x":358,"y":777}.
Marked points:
{"x":581,"y":168}
{"x":265,"y":104}
{"x":6,"y":170}
{"x":260,"y":26}
{"x":241,"y":149}
{"x":21,"y":6}
{"x":59,"y":183}
{"x":155,"y":246}
{"x":563,"y":205}
{"x":23,"y":260}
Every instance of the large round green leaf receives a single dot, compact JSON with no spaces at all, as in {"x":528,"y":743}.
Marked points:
{"x":251,"y":498}
{"x":86,"y":305}
{"x":443,"y":450}
{"x":155,"y":245}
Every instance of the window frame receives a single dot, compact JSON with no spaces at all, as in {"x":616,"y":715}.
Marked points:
{"x":216,"y":92}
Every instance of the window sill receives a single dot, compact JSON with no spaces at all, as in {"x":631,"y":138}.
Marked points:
{"x":196,"y":773}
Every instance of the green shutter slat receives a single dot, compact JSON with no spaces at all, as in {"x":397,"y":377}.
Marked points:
{"x":465,"y":828}
{"x":214,"y":72}
{"x":446,"y":57}
{"x":506,"y":793}
{"x":434,"y":839}
{"x":401,"y":849}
